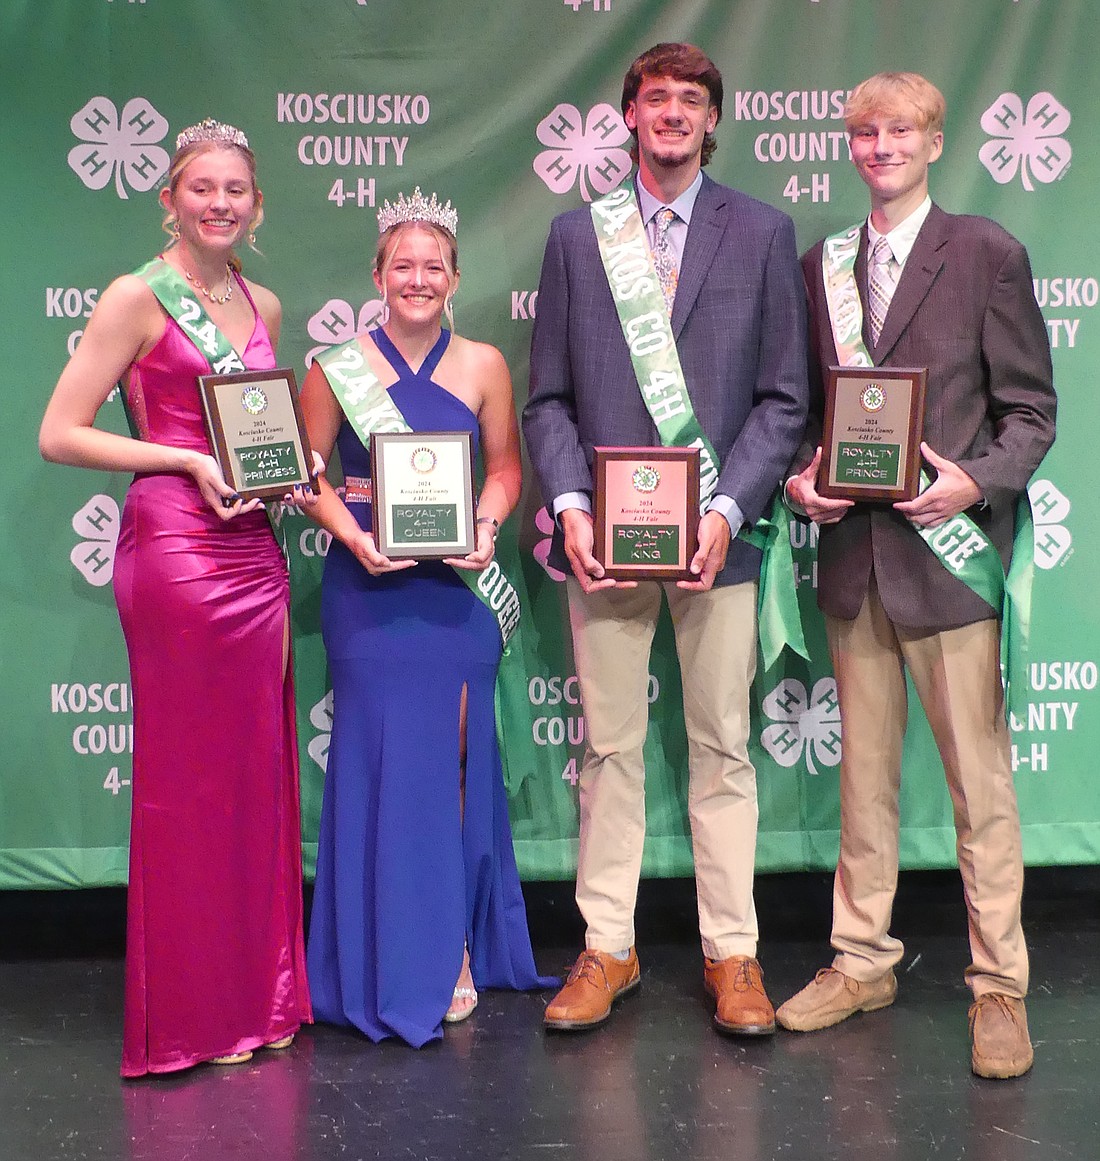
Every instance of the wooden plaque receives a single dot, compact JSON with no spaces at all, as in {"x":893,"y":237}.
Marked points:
{"x":870,"y":444}
{"x":423,"y":494}
{"x":647,"y":511}
{"x":257,"y":432}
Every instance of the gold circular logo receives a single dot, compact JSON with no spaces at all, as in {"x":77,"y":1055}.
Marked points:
{"x":254,"y":401}
{"x":423,"y":460}
{"x":872,"y":398}
{"x":645,"y":479}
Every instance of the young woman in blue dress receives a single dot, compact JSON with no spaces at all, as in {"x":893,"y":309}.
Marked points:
{"x":417,"y":900}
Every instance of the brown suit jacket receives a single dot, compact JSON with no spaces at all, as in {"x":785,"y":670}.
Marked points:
{"x":964,"y":308}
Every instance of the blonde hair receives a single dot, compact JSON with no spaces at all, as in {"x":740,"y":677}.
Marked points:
{"x":183,"y":158}
{"x":896,"y":94}
{"x":448,"y":255}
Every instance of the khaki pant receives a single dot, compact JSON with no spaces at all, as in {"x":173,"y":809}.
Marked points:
{"x":716,"y":643}
{"x":957,"y":676}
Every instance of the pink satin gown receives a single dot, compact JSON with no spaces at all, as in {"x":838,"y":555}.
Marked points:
{"x":214,"y":950}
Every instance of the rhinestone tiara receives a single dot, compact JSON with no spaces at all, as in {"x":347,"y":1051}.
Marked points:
{"x":418,"y":209}
{"x":211,"y":130}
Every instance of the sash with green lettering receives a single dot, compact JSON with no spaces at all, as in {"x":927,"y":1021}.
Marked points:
{"x":959,"y":544}
{"x":370,"y":408}
{"x":178,"y":298}
{"x":632,"y":276}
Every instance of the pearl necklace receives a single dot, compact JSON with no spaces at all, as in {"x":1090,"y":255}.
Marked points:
{"x":220,"y":299}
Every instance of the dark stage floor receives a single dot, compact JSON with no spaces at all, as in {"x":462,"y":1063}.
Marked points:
{"x":654,"y":1084}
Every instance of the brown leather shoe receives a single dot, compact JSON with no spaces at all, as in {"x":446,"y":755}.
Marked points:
{"x":1001,"y":1047}
{"x":737,"y":983}
{"x":597,"y":980}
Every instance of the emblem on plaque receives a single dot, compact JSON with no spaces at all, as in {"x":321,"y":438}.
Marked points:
{"x":873,"y":398}
{"x":423,"y":460}
{"x":645,"y":479}
{"x":254,"y":401}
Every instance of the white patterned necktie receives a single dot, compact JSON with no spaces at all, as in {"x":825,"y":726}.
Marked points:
{"x":880,"y":285}
{"x":664,"y":257}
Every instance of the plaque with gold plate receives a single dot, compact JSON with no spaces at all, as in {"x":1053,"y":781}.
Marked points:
{"x":257,"y":433}
{"x":870,"y":443}
{"x":647,"y":511}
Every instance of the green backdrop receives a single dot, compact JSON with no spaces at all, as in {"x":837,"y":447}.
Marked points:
{"x":510,"y":110}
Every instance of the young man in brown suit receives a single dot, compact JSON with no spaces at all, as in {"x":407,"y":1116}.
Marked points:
{"x":953,"y":294}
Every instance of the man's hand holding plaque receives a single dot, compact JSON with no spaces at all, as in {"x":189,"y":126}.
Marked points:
{"x":803,"y":496}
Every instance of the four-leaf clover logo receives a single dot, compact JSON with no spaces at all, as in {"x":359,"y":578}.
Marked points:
{"x":336,"y":322}
{"x":123,"y":146}
{"x":803,"y":722}
{"x":586,"y":150}
{"x":1049,"y":508}
{"x":1030,"y":141}
{"x":544,"y":522}
{"x":94,"y":557}
{"x":321,"y":719}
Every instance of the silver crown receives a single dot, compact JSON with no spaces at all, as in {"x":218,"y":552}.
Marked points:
{"x":418,"y":209}
{"x":211,"y":130}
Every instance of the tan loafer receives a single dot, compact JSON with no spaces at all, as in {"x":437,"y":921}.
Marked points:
{"x":597,"y":980}
{"x":832,"y":996}
{"x":1000,"y":1044}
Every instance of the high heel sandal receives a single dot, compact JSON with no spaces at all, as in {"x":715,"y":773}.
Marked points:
{"x":462,"y":992}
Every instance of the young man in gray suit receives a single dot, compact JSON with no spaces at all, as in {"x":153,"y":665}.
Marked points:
{"x":952,"y":294}
{"x":728,"y":300}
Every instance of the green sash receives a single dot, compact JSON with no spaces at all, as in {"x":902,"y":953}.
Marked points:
{"x":181,"y":302}
{"x":838,"y":261}
{"x":370,"y":408}
{"x":176,"y":296}
{"x":632,"y":276}
{"x":958,"y":544}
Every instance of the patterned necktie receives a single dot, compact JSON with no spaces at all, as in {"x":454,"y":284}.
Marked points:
{"x":880,"y":285}
{"x":664,"y":257}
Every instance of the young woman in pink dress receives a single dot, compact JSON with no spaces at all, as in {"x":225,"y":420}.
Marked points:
{"x":214,"y":951}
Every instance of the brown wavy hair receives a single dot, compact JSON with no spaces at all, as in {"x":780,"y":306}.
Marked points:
{"x":681,"y":62}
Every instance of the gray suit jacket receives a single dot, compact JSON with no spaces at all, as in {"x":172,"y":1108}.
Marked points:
{"x":739,"y":322}
{"x":964,"y":308}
